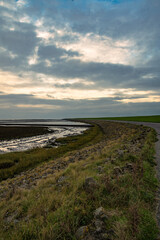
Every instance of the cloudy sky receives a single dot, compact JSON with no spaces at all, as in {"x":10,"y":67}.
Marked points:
{"x":79,"y":58}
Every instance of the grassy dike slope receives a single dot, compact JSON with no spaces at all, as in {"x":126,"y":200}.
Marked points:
{"x":105,"y":189}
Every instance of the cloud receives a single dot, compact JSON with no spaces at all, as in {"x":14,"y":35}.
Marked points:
{"x":88,"y":56}
{"x":31,"y":107}
{"x":53,"y":52}
{"x":103,"y":75}
{"x":18,"y":42}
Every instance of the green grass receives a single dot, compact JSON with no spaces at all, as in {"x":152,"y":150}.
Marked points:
{"x":155,"y":118}
{"x":14,"y":163}
{"x":50,"y":211}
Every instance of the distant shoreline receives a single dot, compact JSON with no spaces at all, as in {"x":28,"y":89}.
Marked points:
{"x":44,"y":125}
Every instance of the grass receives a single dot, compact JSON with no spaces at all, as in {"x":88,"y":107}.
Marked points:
{"x":154,"y":118}
{"x":14,"y":163}
{"x":55,"y":211}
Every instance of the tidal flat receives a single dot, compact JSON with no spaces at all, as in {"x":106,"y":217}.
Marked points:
{"x":26,"y":138}
{"x":14,"y":132}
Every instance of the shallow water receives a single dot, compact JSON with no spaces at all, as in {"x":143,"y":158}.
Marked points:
{"x":23,"y":144}
{"x":27,"y":143}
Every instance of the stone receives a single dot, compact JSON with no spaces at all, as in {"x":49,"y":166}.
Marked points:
{"x":120,"y":152}
{"x":98,"y":225}
{"x":105,"y":236}
{"x":117,"y":171}
{"x":81,"y":232}
{"x":61,"y":179}
{"x":113,"y":160}
{"x":100,"y":169}
{"x":71,"y":160}
{"x":16,"y":221}
{"x":129,"y":166}
{"x":90,"y":184}
{"x":100,"y":213}
{"x":10,"y":217}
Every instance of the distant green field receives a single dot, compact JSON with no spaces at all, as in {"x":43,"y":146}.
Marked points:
{"x":155,"y":118}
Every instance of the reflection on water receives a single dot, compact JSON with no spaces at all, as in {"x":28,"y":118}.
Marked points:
{"x":39,"y":122}
{"x":23,"y":144}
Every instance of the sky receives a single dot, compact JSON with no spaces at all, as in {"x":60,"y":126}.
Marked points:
{"x":79,"y":58}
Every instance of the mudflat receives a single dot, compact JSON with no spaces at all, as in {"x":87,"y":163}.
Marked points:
{"x":13,"y":132}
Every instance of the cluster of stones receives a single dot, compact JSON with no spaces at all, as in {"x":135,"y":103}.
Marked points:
{"x":121,"y":170}
{"x":97,"y":229}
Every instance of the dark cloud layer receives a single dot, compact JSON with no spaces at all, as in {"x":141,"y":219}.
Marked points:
{"x":74,"y":108}
{"x":53,"y":52}
{"x":104,"y":74}
{"x":21,"y":43}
